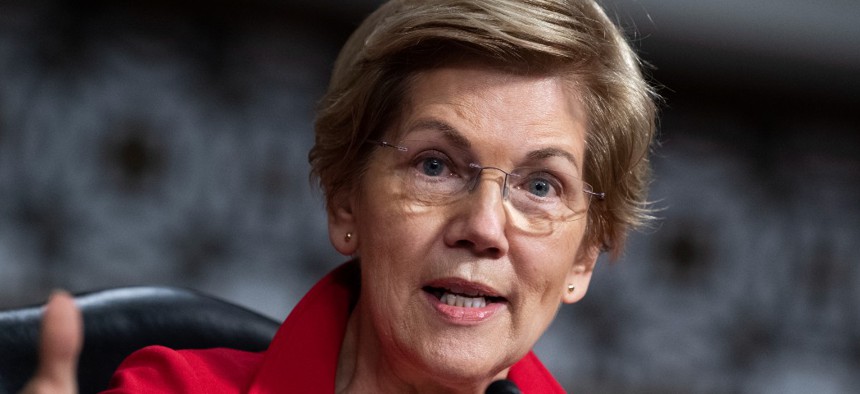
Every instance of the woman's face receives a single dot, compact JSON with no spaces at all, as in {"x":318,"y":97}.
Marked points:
{"x":455,"y":289}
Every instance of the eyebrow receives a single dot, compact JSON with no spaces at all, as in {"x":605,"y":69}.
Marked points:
{"x":449,"y":132}
{"x":454,"y":136}
{"x":546,"y":153}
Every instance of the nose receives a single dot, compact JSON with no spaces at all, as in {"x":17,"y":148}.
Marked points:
{"x":479,"y":223}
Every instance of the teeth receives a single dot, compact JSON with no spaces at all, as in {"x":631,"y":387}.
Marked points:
{"x":463,"y":302}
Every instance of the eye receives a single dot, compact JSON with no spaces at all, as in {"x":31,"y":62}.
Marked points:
{"x":539,"y":187}
{"x":433,"y":163}
{"x":432,"y":166}
{"x":540,"y":184}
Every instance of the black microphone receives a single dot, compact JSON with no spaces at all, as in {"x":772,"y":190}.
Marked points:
{"x":503,"y":386}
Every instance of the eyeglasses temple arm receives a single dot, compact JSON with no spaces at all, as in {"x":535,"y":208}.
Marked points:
{"x":599,"y":196}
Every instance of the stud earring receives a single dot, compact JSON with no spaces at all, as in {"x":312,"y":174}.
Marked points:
{"x":571,"y":288}
{"x":347,"y":237}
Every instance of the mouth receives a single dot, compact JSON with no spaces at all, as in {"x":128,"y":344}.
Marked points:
{"x":463,"y":295}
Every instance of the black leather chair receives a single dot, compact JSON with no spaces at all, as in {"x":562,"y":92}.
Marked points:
{"x":119,"y":321}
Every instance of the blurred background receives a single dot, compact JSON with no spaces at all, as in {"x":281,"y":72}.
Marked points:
{"x":165,"y":142}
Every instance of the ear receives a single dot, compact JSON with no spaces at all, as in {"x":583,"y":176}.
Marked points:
{"x":342,"y":226}
{"x":579,"y":275}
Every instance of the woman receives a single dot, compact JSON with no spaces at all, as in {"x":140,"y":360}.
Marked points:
{"x":476,"y":158}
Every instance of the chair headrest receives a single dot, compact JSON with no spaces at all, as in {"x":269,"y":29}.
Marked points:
{"x":119,"y":321}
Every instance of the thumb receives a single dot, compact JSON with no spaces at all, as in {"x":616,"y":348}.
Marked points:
{"x":59,"y":345}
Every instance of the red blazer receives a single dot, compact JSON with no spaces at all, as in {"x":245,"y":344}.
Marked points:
{"x":302,"y":358}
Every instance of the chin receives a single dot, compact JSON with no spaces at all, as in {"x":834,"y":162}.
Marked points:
{"x":463,"y":362}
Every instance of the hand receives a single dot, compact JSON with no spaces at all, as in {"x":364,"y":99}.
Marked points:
{"x":59,"y":346}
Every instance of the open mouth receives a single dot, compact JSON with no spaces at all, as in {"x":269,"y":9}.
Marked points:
{"x":464,"y":299}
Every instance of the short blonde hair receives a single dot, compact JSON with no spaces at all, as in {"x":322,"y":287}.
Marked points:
{"x":573,"y":38}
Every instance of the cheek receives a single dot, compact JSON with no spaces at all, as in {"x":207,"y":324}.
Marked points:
{"x":545,"y":262}
{"x":391,"y":217}
{"x":395,"y":228}
{"x":395,"y":233}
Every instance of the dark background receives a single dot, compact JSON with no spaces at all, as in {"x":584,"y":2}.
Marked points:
{"x":166,"y":143}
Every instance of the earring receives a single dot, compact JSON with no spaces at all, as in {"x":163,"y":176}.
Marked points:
{"x":571,"y":288}
{"x":347,"y":237}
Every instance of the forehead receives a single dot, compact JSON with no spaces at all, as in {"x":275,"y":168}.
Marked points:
{"x":495,"y":108}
